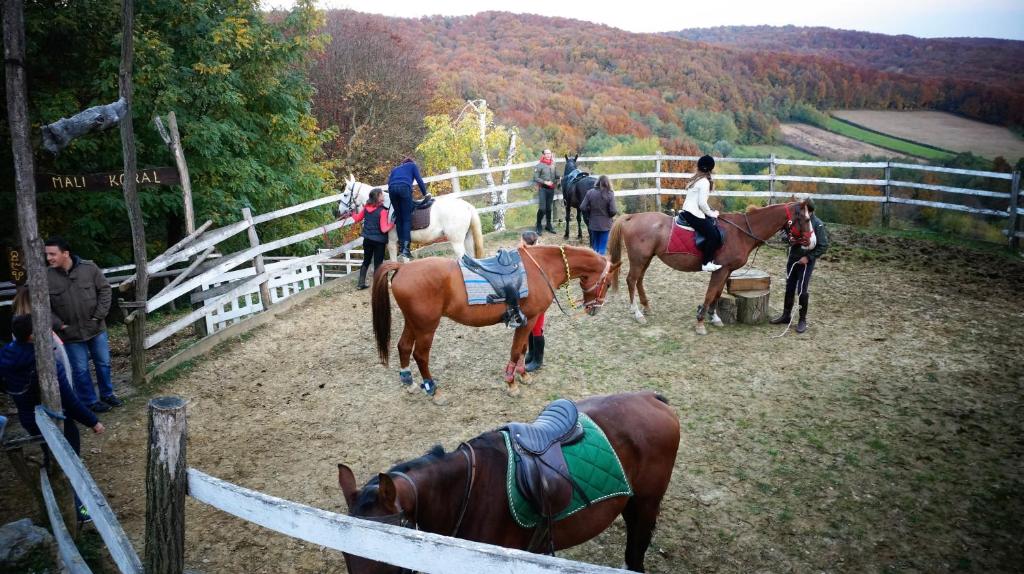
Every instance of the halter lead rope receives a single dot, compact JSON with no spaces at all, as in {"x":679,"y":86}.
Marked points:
{"x":568,"y":277}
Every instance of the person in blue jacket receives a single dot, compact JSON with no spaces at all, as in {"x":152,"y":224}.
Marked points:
{"x":21,"y":382}
{"x":400,"y":191}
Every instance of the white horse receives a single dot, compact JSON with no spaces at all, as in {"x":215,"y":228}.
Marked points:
{"x":450,"y":217}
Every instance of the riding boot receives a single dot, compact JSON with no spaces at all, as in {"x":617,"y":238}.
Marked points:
{"x":548,"y":227}
{"x":361,"y":284}
{"x":801,"y":325}
{"x":404,"y":250}
{"x":787,"y":308}
{"x":540,"y":220}
{"x":530,"y":346}
{"x":538,"y":355}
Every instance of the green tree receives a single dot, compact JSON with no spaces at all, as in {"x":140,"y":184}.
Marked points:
{"x":233,"y":75}
{"x":456,"y":142}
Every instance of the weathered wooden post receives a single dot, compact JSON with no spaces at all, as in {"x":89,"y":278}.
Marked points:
{"x":1011,"y":225}
{"x":657,"y":183}
{"x":173,"y":141}
{"x":257,"y":262}
{"x":887,"y":207}
{"x":771,"y":179}
{"x":166,"y":486}
{"x":456,"y":187}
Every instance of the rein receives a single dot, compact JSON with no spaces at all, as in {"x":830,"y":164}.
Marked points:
{"x":598,"y":301}
{"x":548,"y":279}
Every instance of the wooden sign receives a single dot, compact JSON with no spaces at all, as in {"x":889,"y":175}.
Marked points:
{"x":16,"y":263}
{"x":105,"y":181}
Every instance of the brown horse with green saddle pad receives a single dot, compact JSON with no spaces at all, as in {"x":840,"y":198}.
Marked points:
{"x":428,"y":289}
{"x":646,"y":235}
{"x":472,"y":492}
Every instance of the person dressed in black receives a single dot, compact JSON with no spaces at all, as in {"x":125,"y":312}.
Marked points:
{"x":376,"y":226}
{"x":698,"y":214}
{"x":21,"y":381}
{"x":400,"y":191}
{"x":799,"y":267}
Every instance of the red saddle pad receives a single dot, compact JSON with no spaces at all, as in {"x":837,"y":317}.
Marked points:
{"x":682,"y":240}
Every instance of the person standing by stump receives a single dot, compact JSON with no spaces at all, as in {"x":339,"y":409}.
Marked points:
{"x":80,"y":297}
{"x":376,"y":226}
{"x":400,"y":190}
{"x":803,"y":253}
{"x":545,"y":177}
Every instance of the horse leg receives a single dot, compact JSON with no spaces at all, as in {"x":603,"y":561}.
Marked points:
{"x":713,"y":310}
{"x":405,"y":346}
{"x":644,"y":301}
{"x":635,"y":276}
{"x":640,"y":515}
{"x":421,"y":352}
{"x":517,"y":360}
{"x":714,"y":289}
{"x":568,"y":217}
{"x":579,"y":225}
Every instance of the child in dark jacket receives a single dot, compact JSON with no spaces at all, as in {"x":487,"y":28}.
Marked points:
{"x":21,"y":381}
{"x":376,"y":225}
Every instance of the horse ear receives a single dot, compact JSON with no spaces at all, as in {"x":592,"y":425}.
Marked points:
{"x":575,"y":157}
{"x":387,"y":493}
{"x":347,"y":481}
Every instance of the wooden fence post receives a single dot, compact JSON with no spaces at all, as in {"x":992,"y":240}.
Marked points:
{"x":1011,"y":225}
{"x":887,"y":207}
{"x":166,"y":486}
{"x":771,"y":179}
{"x":456,"y":187}
{"x":657,"y":183}
{"x":257,"y":262}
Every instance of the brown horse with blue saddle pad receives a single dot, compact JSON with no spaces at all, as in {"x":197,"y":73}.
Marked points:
{"x":648,"y":235}
{"x":431,"y":288}
{"x":614,"y":456}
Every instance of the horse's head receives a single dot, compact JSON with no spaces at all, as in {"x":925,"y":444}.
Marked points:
{"x":596,"y":275}
{"x":798,"y":222}
{"x":352,"y":199}
{"x":378,"y":501}
{"x":570,"y":162}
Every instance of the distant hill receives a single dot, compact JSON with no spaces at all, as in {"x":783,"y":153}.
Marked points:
{"x":988,"y":61}
{"x":570,"y":80}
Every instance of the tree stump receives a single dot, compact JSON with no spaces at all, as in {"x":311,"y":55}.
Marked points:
{"x":752,"y":307}
{"x":727,"y":309}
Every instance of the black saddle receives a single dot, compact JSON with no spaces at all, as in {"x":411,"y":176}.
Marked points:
{"x":542,"y":475}
{"x":426,"y":201}
{"x":503,"y":272}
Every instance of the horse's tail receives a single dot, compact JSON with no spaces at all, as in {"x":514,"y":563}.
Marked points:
{"x":380,"y":302}
{"x":615,"y":248}
{"x":478,"y":235}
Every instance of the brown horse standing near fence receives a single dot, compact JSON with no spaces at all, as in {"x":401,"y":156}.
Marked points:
{"x":431,"y":288}
{"x":646,"y":235}
{"x":462,"y":493}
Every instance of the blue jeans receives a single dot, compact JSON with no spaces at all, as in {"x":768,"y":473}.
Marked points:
{"x":401,"y":200}
{"x":98,"y":349}
{"x":599,"y":241}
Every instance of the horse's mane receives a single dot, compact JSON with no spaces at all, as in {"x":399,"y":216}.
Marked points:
{"x":435,"y":454}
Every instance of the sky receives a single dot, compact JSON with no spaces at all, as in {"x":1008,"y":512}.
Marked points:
{"x":923,"y":18}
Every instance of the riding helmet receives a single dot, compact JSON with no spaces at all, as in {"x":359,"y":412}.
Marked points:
{"x":706,"y":163}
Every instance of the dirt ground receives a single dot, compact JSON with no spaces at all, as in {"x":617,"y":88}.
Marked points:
{"x":886,"y":438}
{"x":833,"y":146}
{"x":941,"y":130}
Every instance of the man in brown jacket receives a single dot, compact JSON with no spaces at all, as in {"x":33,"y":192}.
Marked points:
{"x":80,"y":297}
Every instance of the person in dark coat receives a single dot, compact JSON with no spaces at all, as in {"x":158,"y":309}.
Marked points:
{"x":376,"y":226}
{"x":400,"y":190}
{"x":599,"y":206}
{"x":799,"y":269}
{"x":545,"y":177}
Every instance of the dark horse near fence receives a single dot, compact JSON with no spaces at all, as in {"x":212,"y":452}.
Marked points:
{"x":646,"y":235}
{"x":575,"y":185}
{"x":462,"y":493}
{"x":431,"y":288}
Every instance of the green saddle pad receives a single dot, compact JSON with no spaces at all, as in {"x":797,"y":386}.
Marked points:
{"x":592,"y":463}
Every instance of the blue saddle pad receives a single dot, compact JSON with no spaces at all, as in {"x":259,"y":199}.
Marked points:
{"x":480,"y":291}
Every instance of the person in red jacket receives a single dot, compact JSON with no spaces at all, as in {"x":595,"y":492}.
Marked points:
{"x":376,"y":225}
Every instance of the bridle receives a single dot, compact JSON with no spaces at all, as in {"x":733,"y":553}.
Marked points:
{"x":351,"y":205}
{"x":594,"y":303}
{"x":796,"y":236}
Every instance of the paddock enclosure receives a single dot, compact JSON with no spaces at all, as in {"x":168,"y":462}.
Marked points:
{"x":885,"y":438}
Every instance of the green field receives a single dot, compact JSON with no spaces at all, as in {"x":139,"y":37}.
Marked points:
{"x":783,"y":151}
{"x":888,"y":142}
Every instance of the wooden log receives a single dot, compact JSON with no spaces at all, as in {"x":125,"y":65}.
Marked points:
{"x":727,"y":309}
{"x":257,"y":261}
{"x":166,"y":486}
{"x":752,"y":307}
{"x":748,"y":280}
{"x":135,"y":323}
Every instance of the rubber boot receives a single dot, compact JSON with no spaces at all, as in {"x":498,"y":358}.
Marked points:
{"x":361,"y":284}
{"x":801,"y":326}
{"x":787,"y":308}
{"x":404,"y":250}
{"x":548,"y":227}
{"x":530,"y":346}
{"x":538,"y":355}
{"x":540,"y":219}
